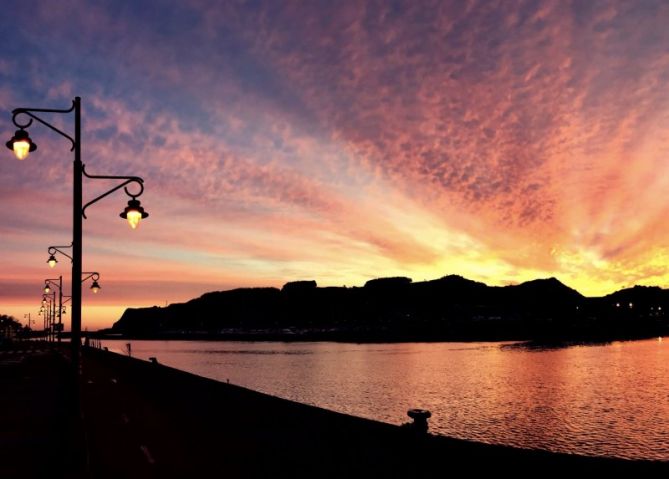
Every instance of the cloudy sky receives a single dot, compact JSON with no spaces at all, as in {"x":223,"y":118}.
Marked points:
{"x":339,"y":141}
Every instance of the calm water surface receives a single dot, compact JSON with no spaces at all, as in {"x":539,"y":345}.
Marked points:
{"x":610,"y":400}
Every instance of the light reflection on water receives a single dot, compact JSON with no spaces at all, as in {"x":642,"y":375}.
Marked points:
{"x":607,"y":400}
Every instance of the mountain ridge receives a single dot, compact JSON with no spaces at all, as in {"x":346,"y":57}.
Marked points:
{"x":397,"y":309}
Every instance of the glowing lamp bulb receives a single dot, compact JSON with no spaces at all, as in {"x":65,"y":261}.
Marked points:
{"x":52,"y":261}
{"x":134,"y":213}
{"x":133,"y":217}
{"x":21,"y":149}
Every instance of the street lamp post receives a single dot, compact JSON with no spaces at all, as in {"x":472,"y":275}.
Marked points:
{"x":47,"y":287}
{"x":49,"y":309}
{"x":22,"y":145}
{"x":29,"y":321}
{"x":52,"y":330}
{"x":44,"y":312}
{"x":52,"y":261}
{"x":41,"y":313}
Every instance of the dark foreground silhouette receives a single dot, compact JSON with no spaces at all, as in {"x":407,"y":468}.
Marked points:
{"x":143,"y":420}
{"x":396,"y":309}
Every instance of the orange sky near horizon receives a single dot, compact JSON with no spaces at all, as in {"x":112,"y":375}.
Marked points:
{"x":502,"y":141}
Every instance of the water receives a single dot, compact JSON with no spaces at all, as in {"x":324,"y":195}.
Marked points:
{"x":609,"y":400}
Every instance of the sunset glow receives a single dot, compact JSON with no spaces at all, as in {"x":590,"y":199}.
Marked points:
{"x":502,"y":141}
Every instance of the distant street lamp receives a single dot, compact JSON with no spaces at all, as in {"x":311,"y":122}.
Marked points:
{"x":47,"y":287}
{"x":95,"y":276}
{"x":22,"y":145}
{"x":58,"y":283}
{"x":49,"y":310}
{"x":29,"y":321}
{"x":65,"y":300}
{"x":52,"y":254}
{"x":42,"y":313}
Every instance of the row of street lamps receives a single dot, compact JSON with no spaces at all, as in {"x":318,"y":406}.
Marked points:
{"x":22,"y":145}
{"x":51,"y":327}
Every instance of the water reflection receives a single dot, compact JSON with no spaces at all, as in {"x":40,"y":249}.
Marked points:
{"x":598,"y":400}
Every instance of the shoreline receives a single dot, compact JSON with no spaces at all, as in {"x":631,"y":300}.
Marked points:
{"x":527,"y":342}
{"x":294,"y":425}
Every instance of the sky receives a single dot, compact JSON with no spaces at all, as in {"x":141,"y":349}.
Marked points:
{"x":338,"y":141}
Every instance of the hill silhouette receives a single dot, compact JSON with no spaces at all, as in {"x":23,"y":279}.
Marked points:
{"x":398,"y":309}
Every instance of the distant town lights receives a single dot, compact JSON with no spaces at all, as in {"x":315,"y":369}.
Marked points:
{"x":21,"y":144}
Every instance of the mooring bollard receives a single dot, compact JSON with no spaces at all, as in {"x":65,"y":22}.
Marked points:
{"x":420,"y":417}
{"x":153,"y":360}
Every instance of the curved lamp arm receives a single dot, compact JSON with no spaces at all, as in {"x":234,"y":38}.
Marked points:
{"x":54,"y":282}
{"x":90,"y":275}
{"x":128,"y":179}
{"x":29,"y":112}
{"x":53,"y":249}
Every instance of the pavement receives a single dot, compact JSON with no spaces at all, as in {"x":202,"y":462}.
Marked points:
{"x":36,"y":437}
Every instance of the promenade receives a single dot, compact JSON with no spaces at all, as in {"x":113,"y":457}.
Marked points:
{"x":36,"y":432}
{"x":144,"y":420}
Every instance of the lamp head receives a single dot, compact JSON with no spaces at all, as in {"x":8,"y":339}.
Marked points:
{"x":95,"y":287}
{"x":134,"y":213}
{"x":47,"y":290}
{"x":52,"y":261}
{"x":21,"y":144}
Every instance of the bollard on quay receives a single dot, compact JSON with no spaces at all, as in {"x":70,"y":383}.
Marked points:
{"x":420,"y":417}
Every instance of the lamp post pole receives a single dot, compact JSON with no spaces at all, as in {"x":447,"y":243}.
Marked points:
{"x":77,"y":202}
{"x":60,"y":309}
